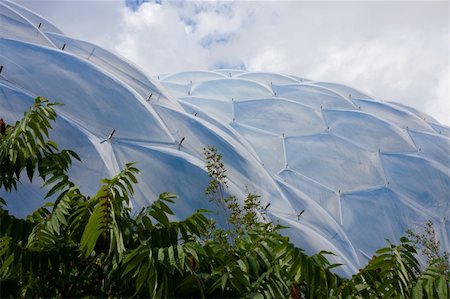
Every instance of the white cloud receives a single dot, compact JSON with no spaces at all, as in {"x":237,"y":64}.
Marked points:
{"x":439,"y":104}
{"x":392,"y":50}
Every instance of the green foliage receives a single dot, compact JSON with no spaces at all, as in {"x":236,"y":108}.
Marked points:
{"x":395,"y":273}
{"x":429,"y":246}
{"x":23,"y":147}
{"x":80,"y":246}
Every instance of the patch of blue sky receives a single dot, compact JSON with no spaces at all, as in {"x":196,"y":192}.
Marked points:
{"x":188,"y":21}
{"x":178,"y":4}
{"x":225,"y":9}
{"x":212,"y":39}
{"x":135,"y":4}
{"x":198,"y":7}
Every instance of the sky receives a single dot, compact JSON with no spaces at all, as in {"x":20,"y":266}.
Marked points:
{"x":393,"y":51}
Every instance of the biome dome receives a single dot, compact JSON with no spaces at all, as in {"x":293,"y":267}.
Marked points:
{"x":343,"y":170}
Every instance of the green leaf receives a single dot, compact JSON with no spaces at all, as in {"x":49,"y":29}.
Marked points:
{"x":134,"y":260}
{"x":143,"y":275}
{"x":255,"y":296}
{"x":263,"y":257}
{"x":417,"y":291}
{"x":224,"y":281}
{"x":59,"y":186}
{"x":428,"y":287}
{"x":6,"y":264}
{"x":171,"y":254}
{"x":161,"y":255}
{"x":159,"y":216}
{"x":96,"y":225}
{"x":181,"y":257}
{"x":442,"y":287}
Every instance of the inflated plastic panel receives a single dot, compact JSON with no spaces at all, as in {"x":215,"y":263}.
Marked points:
{"x":395,"y":115}
{"x":360,"y":127}
{"x":193,"y":77}
{"x":420,"y":114}
{"x":267,"y":78}
{"x":312,"y":96}
{"x":343,"y":90}
{"x":15,"y":25}
{"x":363,"y":212}
{"x":31,"y":17}
{"x":228,"y":89}
{"x":326,"y":198}
{"x":406,"y":173}
{"x":220,"y":109}
{"x":116,"y":67}
{"x":279,"y":116}
{"x":333,"y":162}
{"x":74,"y":83}
{"x":429,"y":148}
{"x":229,"y":72}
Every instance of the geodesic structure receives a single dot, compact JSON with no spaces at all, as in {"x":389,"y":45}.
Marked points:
{"x":343,"y":170}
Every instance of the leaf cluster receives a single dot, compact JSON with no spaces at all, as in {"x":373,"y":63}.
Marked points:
{"x":24,"y":147}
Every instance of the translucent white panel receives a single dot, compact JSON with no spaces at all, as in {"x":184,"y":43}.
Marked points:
{"x":27,"y":198}
{"x":367,"y":215}
{"x":360,"y":128}
{"x":229,"y":72}
{"x":243,"y":169}
{"x":97,"y":100}
{"x":420,"y":114}
{"x":15,"y":26}
{"x":301,"y":79}
{"x":224,"y":126}
{"x":325,"y":197}
{"x":198,"y":134}
{"x":32,"y":17}
{"x":279,"y":116}
{"x":222,"y":110}
{"x":406,"y":174}
{"x":177,"y":90}
{"x":99,"y":56}
{"x":268,"y":147}
{"x":433,"y":146}
{"x":228,"y":89}
{"x":345,"y":91}
{"x":116,"y":66}
{"x":333,"y":162}
{"x":166,"y":170}
{"x":14,"y":102}
{"x":309,"y":239}
{"x":306,"y":210}
{"x":394,"y":114}
{"x":193,"y":77}
{"x":267,"y":78}
{"x":440,"y":129}
{"x":312,"y":96}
